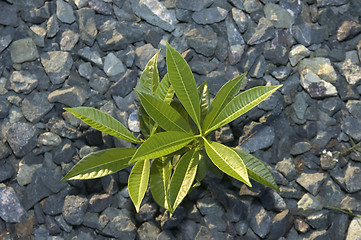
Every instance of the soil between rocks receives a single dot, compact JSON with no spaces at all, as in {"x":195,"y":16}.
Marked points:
{"x":56,"y":54}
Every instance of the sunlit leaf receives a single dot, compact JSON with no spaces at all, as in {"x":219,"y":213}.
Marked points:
{"x":182,"y":79}
{"x":203,"y":92}
{"x":138,"y":182}
{"x":160,"y":173}
{"x":101,"y":163}
{"x":182,"y":178}
{"x":148,"y":81}
{"x":165,"y":90}
{"x":103,"y":122}
{"x":227,"y":160}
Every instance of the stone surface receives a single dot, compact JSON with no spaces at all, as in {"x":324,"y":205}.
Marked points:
{"x":22,"y":138}
{"x":354,"y":229}
{"x":87,"y":27}
{"x":74,"y":209}
{"x":236,"y":42}
{"x":316,"y":87}
{"x":203,"y":40}
{"x":261,"y":137}
{"x":125,"y":84}
{"x":307,"y":205}
{"x":279,"y":16}
{"x":72,"y":96}
{"x":261,"y":222}
{"x":68,"y":40}
{"x":351,"y":126}
{"x":11,"y":209}
{"x":311,"y":181}
{"x":347,"y":30}
{"x":91,"y":55}
{"x":195,"y":5}
{"x":210,"y":15}
{"x":23,"y":81}
{"x":120,"y":225}
{"x":263,"y":32}
{"x":112,"y":65}
{"x":8,"y":14}
{"x":64,"y":12}
{"x":57,"y":65}
{"x":23,"y":50}
{"x":308,"y":33}
{"x":35,"y":106}
{"x":297,"y":53}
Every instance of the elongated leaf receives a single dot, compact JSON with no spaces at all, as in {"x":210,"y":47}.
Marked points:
{"x":204,"y":99}
{"x":160,"y":173}
{"x":162,"y":144}
{"x":227,"y":160}
{"x":241,"y":104}
{"x":182,"y":79}
{"x":138,"y":182}
{"x":163,"y":114}
{"x":148,"y":81}
{"x":223,"y":97}
{"x":101,"y":163}
{"x":202,"y":167}
{"x":103,"y":122}
{"x":182,"y":178}
{"x":165,"y":90}
{"x":257,"y":170}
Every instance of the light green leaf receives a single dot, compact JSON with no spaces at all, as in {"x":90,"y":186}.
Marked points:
{"x":165,"y":90}
{"x":163,"y":114}
{"x":162,"y":144}
{"x":241,"y":104}
{"x":204,"y":99}
{"x":149,"y":79}
{"x":103,"y":122}
{"x":101,"y":163}
{"x":223,"y":97}
{"x":182,"y":79}
{"x":257,"y":170}
{"x":227,"y":160}
{"x":202,"y":166}
{"x":138,"y":182}
{"x":182,"y":178}
{"x":160,"y":173}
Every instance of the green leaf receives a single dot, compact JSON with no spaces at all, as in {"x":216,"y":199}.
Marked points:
{"x":160,"y":173}
{"x":202,"y":167}
{"x":222,"y":98}
{"x":138,"y":182}
{"x":101,"y":163}
{"x":148,"y":81}
{"x":227,"y":160}
{"x":241,"y":104}
{"x":182,"y":79}
{"x":204,"y":99}
{"x":163,"y":114}
{"x":182,"y":178}
{"x":103,"y":122}
{"x":257,"y":170}
{"x":162,"y":144}
{"x":165,"y":90}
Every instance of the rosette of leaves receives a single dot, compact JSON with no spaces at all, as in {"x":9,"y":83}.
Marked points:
{"x":177,"y":121}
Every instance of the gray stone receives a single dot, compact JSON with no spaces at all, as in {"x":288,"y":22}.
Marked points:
{"x":39,"y":35}
{"x":251,"y":6}
{"x":35,"y":106}
{"x":120,"y":224}
{"x":99,"y":202}
{"x":85,"y":70}
{"x":354,"y":107}
{"x":324,"y":3}
{"x":203,"y":40}
{"x":354,"y":229}
{"x":188,"y":229}
{"x":260,"y":221}
{"x":353,"y":178}
{"x":71,"y":96}
{"x":23,"y":50}
{"x":300,"y":147}
{"x":329,"y":159}
{"x":64,"y":153}
{"x":209,"y":206}
{"x":36,"y":15}
{"x":352,"y":127}
{"x":319,"y":220}
{"x":347,"y":30}
{"x":68,"y":40}
{"x":49,"y":139}
{"x":62,"y":224}
{"x":23,"y":81}
{"x":143,"y":54}
{"x":51,"y":179}
{"x":210,"y":15}
{"x":91,"y":55}
{"x":236,"y":42}
{"x":331,"y":105}
{"x":311,"y":181}
{"x":287,"y":168}
{"x":350,"y":203}
{"x":259,"y":67}
{"x":195,"y":6}
{"x":74,"y":209}
{"x":148,"y":230}
{"x":52,"y":26}
{"x":87,"y":27}
{"x":240,"y":18}
{"x":307,"y":205}
{"x":282,"y":72}
{"x":308,"y":33}
{"x":281,"y":224}
{"x":101,"y":7}
{"x":112,"y":65}
{"x":57,"y":65}
{"x":262,"y":138}
{"x":111,"y":39}
{"x":133,"y":122}
{"x":155,"y":13}
{"x":6,"y":37}
{"x":351,"y":71}
{"x":249,"y":57}
{"x":263,"y":32}
{"x":297,"y":53}
{"x":320,"y":66}
{"x":26,"y":172}
{"x":203,"y":234}
{"x":276,"y":54}
{"x":125,"y":84}
{"x":63,"y":129}
{"x":22,"y":138}
{"x":99,"y":82}
{"x":64,"y":12}
{"x":146,"y":212}
{"x":278,"y":15}
{"x":8,"y":14}
{"x":201,"y":67}
{"x":300,"y":105}
{"x":6,"y":171}
{"x":168,"y":222}
{"x":316,"y":87}
{"x":91,"y":220}
{"x":11,"y":210}
{"x":4,"y":107}
{"x":53,"y":205}
{"x":127,"y":56}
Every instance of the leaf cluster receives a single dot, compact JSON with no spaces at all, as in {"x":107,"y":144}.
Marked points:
{"x":177,"y":121}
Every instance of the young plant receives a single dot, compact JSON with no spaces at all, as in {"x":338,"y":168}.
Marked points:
{"x":177,"y":121}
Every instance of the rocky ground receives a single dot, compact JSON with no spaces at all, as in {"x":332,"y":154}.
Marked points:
{"x":56,"y":54}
